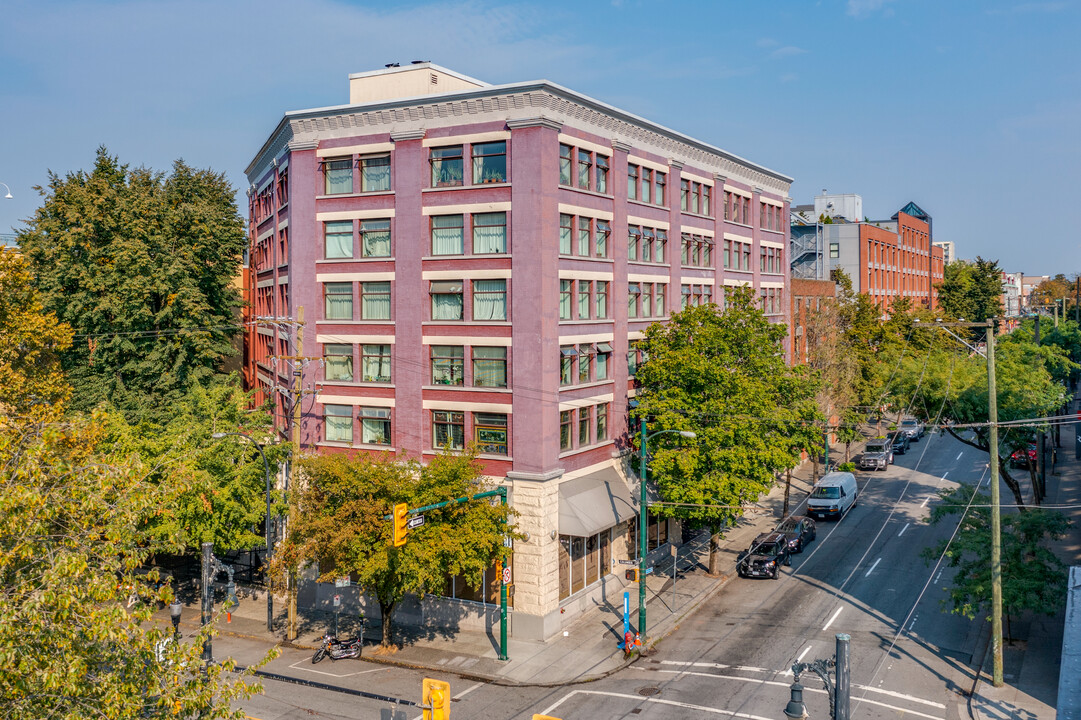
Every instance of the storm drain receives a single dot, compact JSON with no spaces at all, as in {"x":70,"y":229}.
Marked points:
{"x":648,"y":691}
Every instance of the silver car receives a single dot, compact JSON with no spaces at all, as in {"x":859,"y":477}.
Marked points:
{"x":877,"y":455}
{"x":913,"y":428}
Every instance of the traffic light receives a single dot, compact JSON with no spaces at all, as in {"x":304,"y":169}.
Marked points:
{"x":436,"y":699}
{"x":401,"y":517}
{"x":632,"y":575}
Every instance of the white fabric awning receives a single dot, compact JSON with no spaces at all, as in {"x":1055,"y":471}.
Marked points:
{"x":595,"y":502}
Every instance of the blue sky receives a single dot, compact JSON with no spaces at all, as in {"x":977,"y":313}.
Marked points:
{"x":971,"y":109}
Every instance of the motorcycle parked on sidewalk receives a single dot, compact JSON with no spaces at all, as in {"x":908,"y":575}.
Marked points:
{"x":338,"y":649}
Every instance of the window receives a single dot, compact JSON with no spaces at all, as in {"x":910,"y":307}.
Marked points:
{"x":375,"y":173}
{"x":338,"y":421}
{"x":490,"y":367}
{"x":566,"y":417}
{"x":648,"y":236}
{"x":448,"y":365}
{"x":375,"y":238}
{"x":447,"y":235}
{"x":659,"y":245}
{"x":647,"y":299}
{"x":602,"y":422}
{"x":584,"y":233}
{"x":602,"y":175}
{"x":632,"y":360}
{"x":339,"y":362}
{"x":585,"y":425}
{"x":338,"y":239}
{"x":659,"y":181}
{"x":632,"y":182}
{"x":565,"y":154}
{"x":728,"y":253}
{"x":490,"y":162}
{"x":685,"y":292}
{"x":601,"y":233}
{"x":584,"y":291}
{"x":375,"y":363}
{"x":565,"y":290}
{"x":634,"y":233}
{"x":601,"y":298}
{"x":566,"y":365}
{"x":566,"y":232}
{"x":646,"y":192}
{"x":338,"y":176}
{"x":585,"y":363}
{"x":447,"y":167}
{"x":489,"y":299}
{"x":707,"y":195}
{"x":375,"y":301}
{"x":375,"y":426}
{"x":746,"y":256}
{"x":339,"y":301}
{"x":684,"y":194}
{"x":490,"y":433}
{"x":585,"y":168}
{"x":835,"y":250}
{"x":660,"y":305}
{"x":634,"y":292}
{"x":447,"y":302}
{"x":604,"y":355}
{"x":489,"y":233}
{"x":448,"y":429}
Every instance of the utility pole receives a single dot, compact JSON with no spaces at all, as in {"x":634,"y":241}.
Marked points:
{"x":298,"y":375}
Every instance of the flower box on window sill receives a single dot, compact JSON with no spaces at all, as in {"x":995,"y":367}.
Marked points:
{"x":378,"y":379}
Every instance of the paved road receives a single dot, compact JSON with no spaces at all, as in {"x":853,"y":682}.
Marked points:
{"x":863,"y":576}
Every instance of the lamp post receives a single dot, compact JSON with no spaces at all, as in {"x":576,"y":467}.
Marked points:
{"x":642,"y":524}
{"x":175,"y":609}
{"x":269,"y":546}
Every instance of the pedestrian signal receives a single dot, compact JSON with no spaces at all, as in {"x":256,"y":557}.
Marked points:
{"x":632,"y":575}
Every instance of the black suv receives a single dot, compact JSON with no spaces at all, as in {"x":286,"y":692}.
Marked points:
{"x":765,"y":557}
{"x":800,"y":530}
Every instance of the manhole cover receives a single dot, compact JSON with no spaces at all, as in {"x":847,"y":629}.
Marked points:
{"x":648,"y":691}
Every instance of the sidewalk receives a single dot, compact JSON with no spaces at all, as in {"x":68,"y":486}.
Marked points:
{"x":1031,"y":662}
{"x":587,"y":649}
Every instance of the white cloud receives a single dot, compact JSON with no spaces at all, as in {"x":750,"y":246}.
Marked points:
{"x":863,"y":8}
{"x":787,"y":51}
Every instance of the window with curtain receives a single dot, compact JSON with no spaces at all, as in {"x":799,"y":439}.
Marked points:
{"x":375,"y":301}
{"x":338,"y":422}
{"x":490,"y":433}
{"x":448,"y":365}
{"x":375,"y":363}
{"x":601,"y":298}
{"x":447,"y":300}
{"x":339,"y":301}
{"x":565,"y":290}
{"x":447,"y":166}
{"x":489,"y":233}
{"x":602,"y":174}
{"x":338,"y":176}
{"x":634,"y":291}
{"x":604,"y":356}
{"x":338,"y":239}
{"x":601,"y":233}
{"x":490,"y":162}
{"x":338,"y":358}
{"x":566,"y":232}
{"x":490,"y":366}
{"x":584,"y":234}
{"x":566,"y":153}
{"x":375,"y":173}
{"x":584,"y":292}
{"x":375,"y":238}
{"x":447,"y":235}
{"x":489,"y":299}
{"x":448,"y":429}
{"x":375,"y":426}
{"x":585,"y":167}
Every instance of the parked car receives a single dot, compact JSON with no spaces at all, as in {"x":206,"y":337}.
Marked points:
{"x":765,"y":556}
{"x":913,"y":428}
{"x":1022,"y":456}
{"x":800,"y":530}
{"x":833,"y":495}
{"x":899,"y":442}
{"x":877,"y":454}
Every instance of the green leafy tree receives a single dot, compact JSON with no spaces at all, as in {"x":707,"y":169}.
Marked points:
{"x":971,"y":290}
{"x":722,"y":375}
{"x":70,"y":539}
{"x":338,"y":522}
{"x":1033,"y":577}
{"x":1054,"y":289}
{"x":141,"y":266}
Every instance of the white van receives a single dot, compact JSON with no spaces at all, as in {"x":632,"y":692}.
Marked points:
{"x":833,"y":495}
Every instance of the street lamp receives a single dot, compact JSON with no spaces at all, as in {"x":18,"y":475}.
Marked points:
{"x":175,"y":609}
{"x":269,"y":547}
{"x":642,"y":526}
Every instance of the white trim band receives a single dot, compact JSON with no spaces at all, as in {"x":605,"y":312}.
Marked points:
{"x":466,"y":274}
{"x":369,"y":149}
{"x":588,"y":212}
{"x":586,"y":402}
{"x":584,"y":145}
{"x":354,"y":215}
{"x":354,"y":277}
{"x":466,"y":340}
{"x":467,"y":407}
{"x":356,"y":339}
{"x":463,"y":209}
{"x":635,"y":160}
{"x":355,"y":401}
{"x":462,"y":139}
{"x":656,"y":224}
{"x":738,"y":191}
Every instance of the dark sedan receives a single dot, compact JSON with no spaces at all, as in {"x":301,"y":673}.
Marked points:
{"x":899,"y":442}
{"x":800,"y":530}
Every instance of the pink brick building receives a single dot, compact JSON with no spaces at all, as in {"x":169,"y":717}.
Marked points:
{"x":475,"y":263}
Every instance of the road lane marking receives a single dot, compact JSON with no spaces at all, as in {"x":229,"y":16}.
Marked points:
{"x":925,"y":501}
{"x":820,"y":691}
{"x":659,"y":701}
{"x":959,"y":455}
{"x":804,"y":653}
{"x":913,"y":623}
{"x":299,"y":665}
{"x":943,"y":478}
{"x":465,"y":692}
{"x":873,"y":567}
{"x":827,"y":626}
{"x":938,"y":576}
{"x":903,"y":529}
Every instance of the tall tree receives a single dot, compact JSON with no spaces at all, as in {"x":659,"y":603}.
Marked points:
{"x":338,"y":522}
{"x":141,"y":266}
{"x":971,"y":290}
{"x":1053,"y":289}
{"x":722,"y":375}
